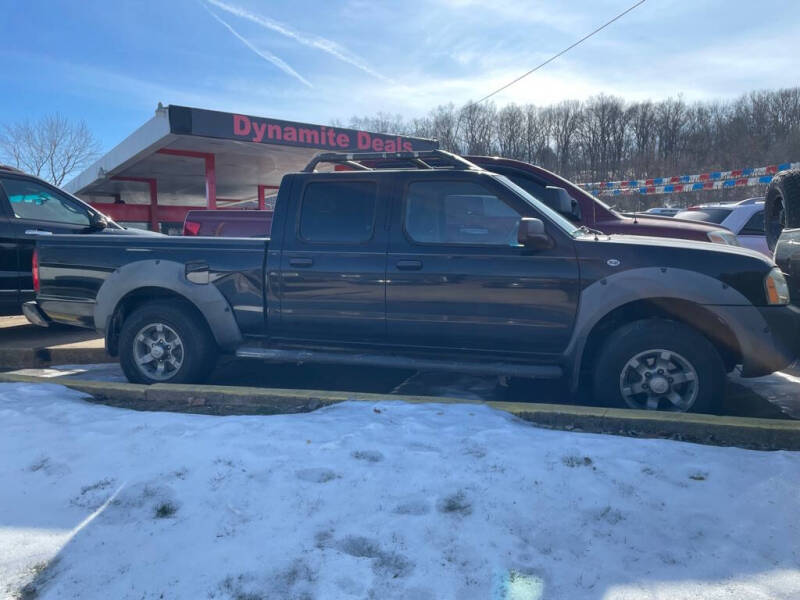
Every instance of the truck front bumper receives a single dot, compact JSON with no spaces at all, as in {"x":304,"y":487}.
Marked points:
{"x":776,"y":346}
{"x":34,"y":314}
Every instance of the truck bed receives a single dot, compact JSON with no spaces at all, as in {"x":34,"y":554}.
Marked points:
{"x":74,"y":267}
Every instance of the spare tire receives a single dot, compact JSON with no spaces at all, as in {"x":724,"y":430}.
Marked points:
{"x":782,"y":205}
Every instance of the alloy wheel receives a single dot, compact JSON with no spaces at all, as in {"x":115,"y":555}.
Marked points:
{"x":659,"y":379}
{"x":158,"y":351}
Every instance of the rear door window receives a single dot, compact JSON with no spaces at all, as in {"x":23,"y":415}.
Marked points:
{"x":338,"y":212}
{"x":754,"y":225}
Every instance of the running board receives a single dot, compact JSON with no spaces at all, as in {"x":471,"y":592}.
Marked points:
{"x":401,"y":362}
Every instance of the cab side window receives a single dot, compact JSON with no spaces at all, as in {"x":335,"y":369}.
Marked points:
{"x":34,"y":201}
{"x":338,"y":212}
{"x":448,"y":212}
{"x":755,"y":225}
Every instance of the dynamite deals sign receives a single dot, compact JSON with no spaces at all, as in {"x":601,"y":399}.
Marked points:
{"x":260,"y":130}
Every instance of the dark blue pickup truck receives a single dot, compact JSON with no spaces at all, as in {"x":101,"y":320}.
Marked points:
{"x":451,"y":267}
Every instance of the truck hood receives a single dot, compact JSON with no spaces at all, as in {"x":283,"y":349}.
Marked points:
{"x":661,"y":242}
{"x":667,"y":225}
{"x":742,"y":269}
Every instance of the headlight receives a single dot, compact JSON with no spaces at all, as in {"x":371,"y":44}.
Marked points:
{"x":721,"y":236}
{"x":776,"y":287}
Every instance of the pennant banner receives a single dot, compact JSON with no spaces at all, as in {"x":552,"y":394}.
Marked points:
{"x":712,"y":180}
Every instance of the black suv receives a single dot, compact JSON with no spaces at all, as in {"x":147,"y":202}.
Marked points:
{"x":29,"y":209}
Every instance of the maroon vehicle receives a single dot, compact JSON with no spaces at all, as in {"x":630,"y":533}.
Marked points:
{"x":582,"y":208}
{"x":558,"y":193}
{"x":228,"y":223}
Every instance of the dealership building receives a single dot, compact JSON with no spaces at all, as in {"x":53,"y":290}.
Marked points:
{"x":190,"y":158}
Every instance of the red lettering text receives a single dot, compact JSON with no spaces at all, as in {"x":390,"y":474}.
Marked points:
{"x":309,"y":136}
{"x":364,"y":140}
{"x":241,"y":125}
{"x":259,"y":129}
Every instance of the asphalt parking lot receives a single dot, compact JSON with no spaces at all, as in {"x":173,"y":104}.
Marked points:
{"x":775,"y":396}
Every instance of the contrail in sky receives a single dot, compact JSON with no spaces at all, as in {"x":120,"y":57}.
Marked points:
{"x":313,"y":41}
{"x":262,"y":53}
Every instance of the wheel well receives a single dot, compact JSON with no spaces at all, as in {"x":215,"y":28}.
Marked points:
{"x":694,"y":315}
{"x":133,"y":300}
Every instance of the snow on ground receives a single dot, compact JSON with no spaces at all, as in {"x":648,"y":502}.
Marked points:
{"x":781,"y":389}
{"x":387,"y":500}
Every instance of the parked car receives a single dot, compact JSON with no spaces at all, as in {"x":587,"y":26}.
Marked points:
{"x":29,"y":209}
{"x":228,"y":223}
{"x":662,"y":211}
{"x":744,"y":218}
{"x":783,"y":225}
{"x":582,"y":208}
{"x":445,"y":269}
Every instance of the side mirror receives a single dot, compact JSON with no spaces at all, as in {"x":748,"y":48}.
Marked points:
{"x":97,"y":222}
{"x":561,"y":202}
{"x":531,"y":234}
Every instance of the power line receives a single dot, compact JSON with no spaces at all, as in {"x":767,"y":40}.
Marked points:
{"x":555,"y":56}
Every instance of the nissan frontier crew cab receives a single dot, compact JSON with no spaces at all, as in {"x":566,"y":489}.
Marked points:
{"x":446,"y":268}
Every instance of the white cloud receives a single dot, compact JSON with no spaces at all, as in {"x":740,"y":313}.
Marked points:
{"x":313,"y":41}
{"x":282,"y":65}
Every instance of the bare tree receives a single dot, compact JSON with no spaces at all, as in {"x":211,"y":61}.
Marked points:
{"x":478,"y":126}
{"x":511,"y":131}
{"x":381,"y":123}
{"x":537,"y":137}
{"x":442,"y":125}
{"x":52,"y":147}
{"x":565,"y":119}
{"x":642,"y":120}
{"x":606,"y":138}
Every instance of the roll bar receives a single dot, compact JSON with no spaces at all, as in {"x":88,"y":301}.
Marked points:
{"x":355,"y":160}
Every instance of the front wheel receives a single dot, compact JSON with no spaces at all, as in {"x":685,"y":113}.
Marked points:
{"x":166,"y":343}
{"x":657,"y":364}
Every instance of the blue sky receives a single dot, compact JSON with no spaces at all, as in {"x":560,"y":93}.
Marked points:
{"x":110,"y":63}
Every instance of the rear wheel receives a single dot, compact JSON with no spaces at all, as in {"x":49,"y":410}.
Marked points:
{"x":164,"y":342}
{"x":657,"y":364}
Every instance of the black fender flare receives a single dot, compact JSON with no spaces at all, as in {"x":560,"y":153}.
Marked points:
{"x":607,"y":294}
{"x":171,"y":276}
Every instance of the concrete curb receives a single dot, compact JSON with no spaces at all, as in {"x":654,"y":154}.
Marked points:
{"x":760,"y":434}
{"x":34,"y":358}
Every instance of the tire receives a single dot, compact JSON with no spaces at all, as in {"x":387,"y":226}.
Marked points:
{"x":782,"y":205}
{"x":642,"y":358}
{"x":186,"y":349}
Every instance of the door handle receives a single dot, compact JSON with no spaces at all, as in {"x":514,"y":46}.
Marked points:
{"x":301,"y":262}
{"x":409,"y":265}
{"x":37,"y":232}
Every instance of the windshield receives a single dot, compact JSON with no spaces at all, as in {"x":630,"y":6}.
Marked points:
{"x":552,"y":215}
{"x":707,"y":215}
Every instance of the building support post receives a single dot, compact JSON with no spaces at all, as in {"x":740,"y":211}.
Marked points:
{"x":153,"y":184}
{"x":261,"y":202}
{"x":211,"y":181}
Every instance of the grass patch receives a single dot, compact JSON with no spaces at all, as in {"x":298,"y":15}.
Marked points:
{"x":165,"y":510}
